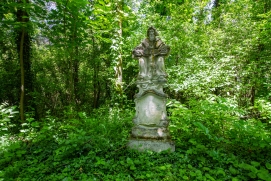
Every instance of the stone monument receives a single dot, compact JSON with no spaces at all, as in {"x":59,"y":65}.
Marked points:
{"x":150,"y":131}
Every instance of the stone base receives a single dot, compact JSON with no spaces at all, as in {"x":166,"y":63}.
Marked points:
{"x":151,"y":145}
{"x":150,"y":133}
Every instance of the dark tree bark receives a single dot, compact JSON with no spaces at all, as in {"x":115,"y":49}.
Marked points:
{"x":24,"y":48}
{"x":76,"y":78}
{"x":96,"y":80}
{"x":76,"y":65}
{"x":216,"y":3}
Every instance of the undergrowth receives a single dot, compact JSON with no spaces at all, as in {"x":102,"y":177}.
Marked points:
{"x":212,"y":140}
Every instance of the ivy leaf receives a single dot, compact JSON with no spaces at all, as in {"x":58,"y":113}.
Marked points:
{"x":268,"y":166}
{"x":255,"y":164}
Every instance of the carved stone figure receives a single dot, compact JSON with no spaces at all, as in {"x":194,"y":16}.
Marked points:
{"x":150,"y":131}
{"x":150,"y":54}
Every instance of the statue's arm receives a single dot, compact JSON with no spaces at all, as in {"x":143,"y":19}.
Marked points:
{"x":164,"y":50}
{"x":138,"y":52}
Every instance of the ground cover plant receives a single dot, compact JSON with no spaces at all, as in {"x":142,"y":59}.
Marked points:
{"x":212,"y":143}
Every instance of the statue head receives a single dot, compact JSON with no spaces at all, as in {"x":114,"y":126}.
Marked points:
{"x":152,"y":33}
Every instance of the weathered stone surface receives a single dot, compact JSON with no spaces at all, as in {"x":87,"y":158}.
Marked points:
{"x":150,"y":54}
{"x":150,"y":131}
{"x":151,"y":145}
{"x":150,"y":110}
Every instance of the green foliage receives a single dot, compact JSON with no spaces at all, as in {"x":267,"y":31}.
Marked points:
{"x":213,"y":130}
{"x":51,"y":147}
{"x":262,"y":110}
{"x":219,"y":120}
{"x":82,"y":147}
{"x":7,"y":125}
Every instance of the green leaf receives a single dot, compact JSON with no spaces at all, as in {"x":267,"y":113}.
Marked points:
{"x":252,"y":175}
{"x":193,"y":174}
{"x":185,"y":177}
{"x":233,"y":170}
{"x":132,"y":167}
{"x":255,"y":164}
{"x":163,"y":168}
{"x":268,"y":166}
{"x":264,"y":175}
{"x":248,"y":167}
{"x":129,"y":161}
{"x":220,"y":172}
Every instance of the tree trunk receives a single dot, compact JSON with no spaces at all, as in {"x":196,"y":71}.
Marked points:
{"x":216,"y":3}
{"x":76,"y":67}
{"x":96,"y":81}
{"x":23,"y":48}
{"x":119,"y":68}
{"x":96,"y":85}
{"x":76,"y":77}
{"x":22,"y":76}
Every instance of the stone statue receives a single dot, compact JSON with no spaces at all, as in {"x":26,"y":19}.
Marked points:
{"x":150,"y":54}
{"x":150,"y":131}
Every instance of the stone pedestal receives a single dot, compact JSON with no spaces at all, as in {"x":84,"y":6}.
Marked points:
{"x":150,"y":131}
{"x":151,"y":145}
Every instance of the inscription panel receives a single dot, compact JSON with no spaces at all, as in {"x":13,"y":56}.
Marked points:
{"x":150,"y":110}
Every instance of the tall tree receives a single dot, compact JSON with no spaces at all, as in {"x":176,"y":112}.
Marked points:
{"x":24,"y":48}
{"x":119,"y":39}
